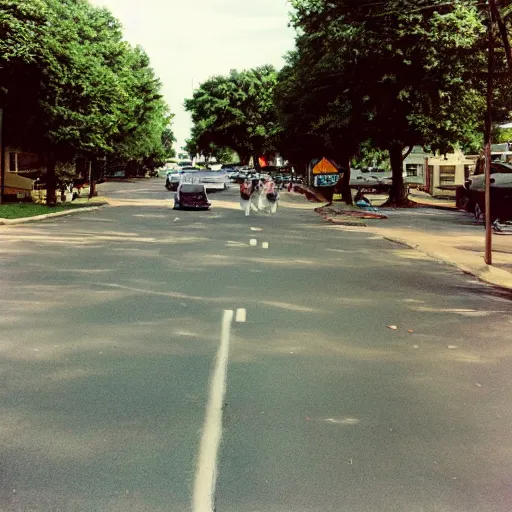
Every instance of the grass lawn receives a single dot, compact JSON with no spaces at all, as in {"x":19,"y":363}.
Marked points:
{"x":19,"y":210}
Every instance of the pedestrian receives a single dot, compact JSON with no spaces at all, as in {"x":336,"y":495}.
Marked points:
{"x":256,"y":195}
{"x":271,"y":194}
{"x":361,"y":200}
{"x":245,"y":196}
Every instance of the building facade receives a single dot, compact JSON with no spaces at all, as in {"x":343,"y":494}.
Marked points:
{"x":438,"y":175}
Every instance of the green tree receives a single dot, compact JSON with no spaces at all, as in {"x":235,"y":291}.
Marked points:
{"x":236,"y":112}
{"x":88,"y":94}
{"x":225,"y":155}
{"x":313,"y":119}
{"x":168,"y":140}
{"x":392,"y":73}
{"x":199,"y":144}
{"x":22,"y":25}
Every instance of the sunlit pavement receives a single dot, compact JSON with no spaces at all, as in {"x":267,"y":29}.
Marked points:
{"x":111,"y":324}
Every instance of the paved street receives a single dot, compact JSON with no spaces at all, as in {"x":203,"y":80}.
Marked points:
{"x":111,"y":324}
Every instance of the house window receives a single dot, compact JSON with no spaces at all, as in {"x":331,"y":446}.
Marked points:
{"x":28,"y":162}
{"x":446,"y":175}
{"x":413,"y":170}
{"x":12,"y":162}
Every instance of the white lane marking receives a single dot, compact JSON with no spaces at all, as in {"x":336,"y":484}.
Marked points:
{"x":253,"y":242}
{"x":264,"y":245}
{"x":241,"y":315}
{"x":232,"y":243}
{"x":204,"y":486}
{"x":256,"y":229}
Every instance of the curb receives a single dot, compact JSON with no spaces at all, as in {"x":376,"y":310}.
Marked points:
{"x":345,"y":219}
{"x":466,"y":270}
{"x":37,"y":218}
{"x":341,"y":222}
{"x":438,"y":207}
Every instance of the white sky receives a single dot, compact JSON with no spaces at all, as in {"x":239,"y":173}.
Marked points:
{"x":191,"y":40}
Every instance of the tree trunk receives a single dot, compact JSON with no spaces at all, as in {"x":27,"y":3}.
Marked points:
{"x":51,"y":181}
{"x":256,"y":161}
{"x":397,"y":194}
{"x":131,"y":169}
{"x":244,"y":158}
{"x":346,"y":193}
{"x":92,"y":179}
{"x":2,"y":161}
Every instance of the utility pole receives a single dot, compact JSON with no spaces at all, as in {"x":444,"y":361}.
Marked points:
{"x":487,"y":135}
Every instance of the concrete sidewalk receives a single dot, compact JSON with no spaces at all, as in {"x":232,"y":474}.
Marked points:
{"x":424,"y":199}
{"x":438,"y":230}
{"x":452,"y":237}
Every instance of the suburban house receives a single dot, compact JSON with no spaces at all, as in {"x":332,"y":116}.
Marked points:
{"x":20,"y":171}
{"x":439,"y":175}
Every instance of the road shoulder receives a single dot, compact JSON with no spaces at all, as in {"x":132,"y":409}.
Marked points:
{"x":442,"y":239}
{"x":37,"y":218}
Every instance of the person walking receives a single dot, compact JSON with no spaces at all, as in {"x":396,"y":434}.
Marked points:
{"x":246,"y":196}
{"x":271,"y":194}
{"x":256,"y":195}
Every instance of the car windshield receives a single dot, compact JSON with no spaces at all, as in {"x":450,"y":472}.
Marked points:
{"x":496,"y":168}
{"x":501,"y":168}
{"x":190,"y":188}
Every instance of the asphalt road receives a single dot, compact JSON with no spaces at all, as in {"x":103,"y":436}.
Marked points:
{"x":110,"y":366}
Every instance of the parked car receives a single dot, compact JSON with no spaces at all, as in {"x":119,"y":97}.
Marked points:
{"x":172,"y":180}
{"x":471,"y":197}
{"x":363,"y":181}
{"x":192,"y":196}
{"x":174,"y":177}
{"x":376,"y":181}
{"x":213,"y":180}
{"x":385,"y":184}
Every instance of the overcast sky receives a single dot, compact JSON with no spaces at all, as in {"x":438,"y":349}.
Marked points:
{"x":191,"y":40}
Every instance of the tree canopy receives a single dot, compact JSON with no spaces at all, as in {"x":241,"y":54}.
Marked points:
{"x":235,"y":111}
{"x":71,"y":86}
{"x":387,"y":72}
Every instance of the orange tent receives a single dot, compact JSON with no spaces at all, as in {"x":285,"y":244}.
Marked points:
{"x":325,"y":167}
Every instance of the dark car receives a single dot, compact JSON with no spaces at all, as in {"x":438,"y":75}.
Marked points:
{"x":191,"y":195}
{"x":471,"y":197}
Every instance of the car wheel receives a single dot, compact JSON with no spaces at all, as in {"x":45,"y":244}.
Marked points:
{"x":479,"y":213}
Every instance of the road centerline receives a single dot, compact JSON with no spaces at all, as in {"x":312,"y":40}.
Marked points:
{"x":206,"y":474}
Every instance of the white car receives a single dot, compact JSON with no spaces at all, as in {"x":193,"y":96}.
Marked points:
{"x":174,"y":178}
{"x":212,"y":180}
